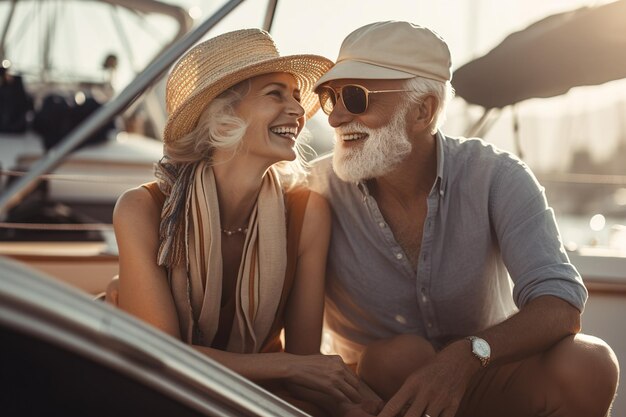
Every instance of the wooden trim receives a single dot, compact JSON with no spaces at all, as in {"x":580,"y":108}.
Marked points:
{"x":63,"y":258}
{"x":606,"y":288}
{"x":26,"y":161}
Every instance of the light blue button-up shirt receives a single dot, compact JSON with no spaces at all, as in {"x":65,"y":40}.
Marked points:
{"x":487,"y":219}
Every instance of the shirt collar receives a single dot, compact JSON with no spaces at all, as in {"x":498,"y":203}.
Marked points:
{"x":440,"y":182}
{"x":363,"y":188}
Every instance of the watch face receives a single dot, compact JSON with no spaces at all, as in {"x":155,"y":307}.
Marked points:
{"x":481,"y":348}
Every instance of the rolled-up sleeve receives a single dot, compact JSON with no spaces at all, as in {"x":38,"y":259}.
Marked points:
{"x":529,"y":239}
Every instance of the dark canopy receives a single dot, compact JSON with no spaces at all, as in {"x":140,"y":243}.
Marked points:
{"x":582,"y":47}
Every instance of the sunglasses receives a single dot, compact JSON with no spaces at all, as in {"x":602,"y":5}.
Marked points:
{"x":355,"y":97}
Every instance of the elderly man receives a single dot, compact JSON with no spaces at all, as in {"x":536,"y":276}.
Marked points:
{"x":427,"y":230}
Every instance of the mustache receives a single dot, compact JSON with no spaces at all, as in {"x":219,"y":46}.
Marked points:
{"x":353,"y":127}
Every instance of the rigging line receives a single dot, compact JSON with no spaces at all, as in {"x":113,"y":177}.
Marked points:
{"x":51,"y":31}
{"x":123,"y":37}
{"x":13,"y":40}
{"x":5,"y":29}
{"x":57,"y":226}
{"x":79,"y":178}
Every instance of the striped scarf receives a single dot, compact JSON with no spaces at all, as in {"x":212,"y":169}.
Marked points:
{"x":190,"y":231}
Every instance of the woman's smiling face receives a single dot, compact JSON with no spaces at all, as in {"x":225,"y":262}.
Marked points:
{"x":274,"y":116}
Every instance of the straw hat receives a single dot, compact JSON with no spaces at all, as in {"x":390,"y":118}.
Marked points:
{"x":213,"y":66}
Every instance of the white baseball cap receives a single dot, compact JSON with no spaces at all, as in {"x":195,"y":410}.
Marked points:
{"x":391,"y":50}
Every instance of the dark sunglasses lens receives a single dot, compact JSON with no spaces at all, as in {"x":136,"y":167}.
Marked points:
{"x":354,"y":98}
{"x":327,"y":99}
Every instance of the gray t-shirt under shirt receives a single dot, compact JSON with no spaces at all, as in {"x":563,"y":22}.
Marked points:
{"x":487,"y":215}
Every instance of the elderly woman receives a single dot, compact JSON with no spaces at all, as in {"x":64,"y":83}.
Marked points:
{"x":227,"y":248}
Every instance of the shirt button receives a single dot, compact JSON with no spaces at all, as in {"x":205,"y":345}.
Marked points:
{"x":424,"y":299}
{"x":381,"y":224}
{"x":399,"y":256}
{"x":430,"y":325}
{"x":400,"y":319}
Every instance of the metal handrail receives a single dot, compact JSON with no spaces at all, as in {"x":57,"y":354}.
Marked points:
{"x":17,"y":191}
{"x":270,"y":12}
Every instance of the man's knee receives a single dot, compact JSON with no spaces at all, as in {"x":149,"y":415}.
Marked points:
{"x":586,"y":372}
{"x":386,"y":363}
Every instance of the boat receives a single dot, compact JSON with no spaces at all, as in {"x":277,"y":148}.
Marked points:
{"x":65,"y":354}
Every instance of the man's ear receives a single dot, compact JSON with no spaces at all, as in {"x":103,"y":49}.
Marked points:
{"x":424,"y":112}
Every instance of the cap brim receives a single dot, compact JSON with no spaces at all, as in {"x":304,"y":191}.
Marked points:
{"x":361,"y":70}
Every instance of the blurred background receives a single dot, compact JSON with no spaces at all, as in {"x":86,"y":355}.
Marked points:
{"x":552,"y":92}
{"x":575,"y":142}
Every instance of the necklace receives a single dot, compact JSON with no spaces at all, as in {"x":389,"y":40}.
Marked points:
{"x":242,"y":230}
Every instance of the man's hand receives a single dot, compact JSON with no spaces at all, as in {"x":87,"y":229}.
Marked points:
{"x":436,"y":389}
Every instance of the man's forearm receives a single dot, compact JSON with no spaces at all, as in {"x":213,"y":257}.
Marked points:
{"x":540,"y":324}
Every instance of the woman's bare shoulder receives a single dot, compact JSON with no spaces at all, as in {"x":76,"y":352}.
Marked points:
{"x":136,"y":205}
{"x":317,"y":208}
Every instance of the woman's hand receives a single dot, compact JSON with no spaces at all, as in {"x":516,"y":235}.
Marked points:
{"x":367,"y":408}
{"x":324,"y":373}
{"x":357,"y":411}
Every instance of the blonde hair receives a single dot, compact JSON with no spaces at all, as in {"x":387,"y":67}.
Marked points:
{"x":444,"y":92}
{"x":218,"y":128}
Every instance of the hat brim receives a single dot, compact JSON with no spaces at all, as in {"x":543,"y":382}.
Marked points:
{"x":307,"y":69}
{"x":361,"y":70}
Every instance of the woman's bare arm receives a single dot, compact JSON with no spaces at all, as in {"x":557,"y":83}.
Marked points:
{"x":304,"y":317}
{"x":305,"y":307}
{"x":143,"y":288}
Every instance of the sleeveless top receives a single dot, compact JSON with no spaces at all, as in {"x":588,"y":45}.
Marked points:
{"x":295,"y":205}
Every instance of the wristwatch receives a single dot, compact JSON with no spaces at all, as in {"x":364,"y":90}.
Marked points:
{"x":480,"y":349}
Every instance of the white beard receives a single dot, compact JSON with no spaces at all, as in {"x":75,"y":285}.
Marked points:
{"x":382,"y":150}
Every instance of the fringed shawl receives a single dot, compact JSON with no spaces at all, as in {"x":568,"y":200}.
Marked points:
{"x":191,"y":251}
